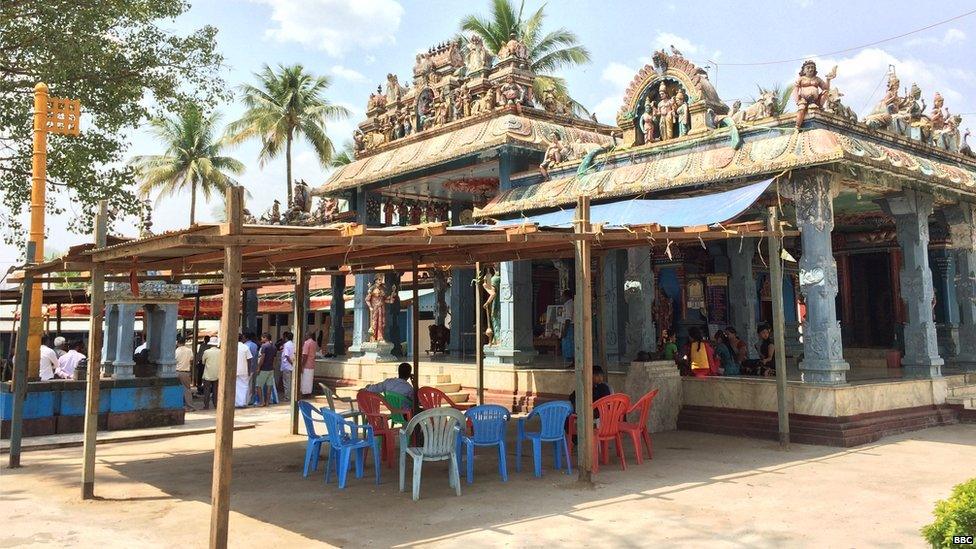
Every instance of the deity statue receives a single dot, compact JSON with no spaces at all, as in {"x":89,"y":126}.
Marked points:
{"x":377,"y":298}
{"x":328,"y":208}
{"x":552,"y":103}
{"x":403,"y":212}
{"x":553,"y":156}
{"x":301,"y":197}
{"x":359,"y":141}
{"x":405,"y":122}
{"x":388,"y":211}
{"x":477,"y":57}
{"x":388,"y":127}
{"x":647,"y":121}
{"x":247,"y":217}
{"x":273,"y":215}
{"x":663,"y":311}
{"x":462,"y":103}
{"x":513,"y":48}
{"x":681,"y":112}
{"x":145,"y":229}
{"x":491,"y":282}
{"x":810,"y":90}
{"x":881,"y":116}
{"x":665,"y":113}
{"x":948,"y":137}
{"x":442,"y":112}
{"x":430,"y":213}
{"x":376,"y":100}
{"x":939,"y":113}
{"x":416,"y":210}
{"x":511,"y":93}
{"x":910,"y":112}
{"x":423,"y":65}
{"x":394,"y":91}
{"x":485,"y":103}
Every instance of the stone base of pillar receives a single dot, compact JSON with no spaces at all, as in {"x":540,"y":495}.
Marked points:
{"x":661,"y":375}
{"x":921,"y":353}
{"x":378,"y":351}
{"x":166,"y":369}
{"x":794,"y":347}
{"x":824,"y":371}
{"x":926,"y":371}
{"x":966,"y":359}
{"x":948,"y":337}
{"x":122,"y":370}
{"x":496,"y":356}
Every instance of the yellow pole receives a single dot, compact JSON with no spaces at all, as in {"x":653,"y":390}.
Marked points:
{"x":38,"y":183}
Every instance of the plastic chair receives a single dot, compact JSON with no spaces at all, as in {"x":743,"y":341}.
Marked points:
{"x":440,"y":428}
{"x":638,"y":430}
{"x":553,"y":417}
{"x":488,"y":425}
{"x":399,"y":407}
{"x":432,"y":397}
{"x":313,"y":446}
{"x":332,"y":397}
{"x":344,"y":442}
{"x":371,"y":405}
{"x":612,"y":409}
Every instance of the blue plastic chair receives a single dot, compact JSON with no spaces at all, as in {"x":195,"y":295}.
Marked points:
{"x":313,"y":446}
{"x":344,"y":442}
{"x":553,"y":417}
{"x":488,"y":425}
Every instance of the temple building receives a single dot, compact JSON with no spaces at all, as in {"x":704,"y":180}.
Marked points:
{"x":878,"y":286}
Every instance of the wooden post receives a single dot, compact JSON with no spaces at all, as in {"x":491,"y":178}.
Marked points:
{"x":37,"y":205}
{"x":20,"y":363}
{"x":779,"y":325}
{"x":583,"y":340}
{"x":57,"y":317}
{"x":229,"y":329}
{"x":301,"y":293}
{"x":415,"y":334}
{"x":95,"y":335}
{"x":196,"y":327}
{"x":601,"y":321}
{"x":479,"y":351}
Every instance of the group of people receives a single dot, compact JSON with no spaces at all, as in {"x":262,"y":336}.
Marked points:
{"x":725,"y":354}
{"x":255,"y":368}
{"x":61,"y":360}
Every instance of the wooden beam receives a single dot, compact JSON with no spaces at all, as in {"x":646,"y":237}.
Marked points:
{"x":229,"y":330}
{"x":135,"y":249}
{"x":415,"y":335}
{"x":20,"y":363}
{"x":479,"y":351}
{"x":583,"y":342}
{"x":779,"y":327}
{"x":95,"y":335}
{"x":299,"y":312}
{"x":601,"y":309}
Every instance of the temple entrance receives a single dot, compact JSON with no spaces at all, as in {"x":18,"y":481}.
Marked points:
{"x":873,"y":311}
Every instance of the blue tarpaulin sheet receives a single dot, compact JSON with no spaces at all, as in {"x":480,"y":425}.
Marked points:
{"x":673,"y":212}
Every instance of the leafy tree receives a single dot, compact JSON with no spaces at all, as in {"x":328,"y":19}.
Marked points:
{"x":286,"y":104}
{"x":192,"y":159}
{"x":121,"y":61}
{"x":548,"y":52}
{"x":346,"y":156}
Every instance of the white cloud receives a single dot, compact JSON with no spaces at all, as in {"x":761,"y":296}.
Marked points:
{"x":347,"y":74}
{"x":951,"y":36}
{"x":664,"y":40}
{"x":619,"y":77}
{"x":335,"y":26}
{"x":618,"y":74}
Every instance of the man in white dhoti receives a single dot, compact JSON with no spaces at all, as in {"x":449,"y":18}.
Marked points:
{"x":243,"y":374}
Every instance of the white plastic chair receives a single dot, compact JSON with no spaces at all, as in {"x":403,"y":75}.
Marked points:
{"x":440,"y":428}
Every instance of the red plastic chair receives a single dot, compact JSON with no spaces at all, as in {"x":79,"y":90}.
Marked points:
{"x":371,"y":405}
{"x":432,"y":397}
{"x":638,"y":429}
{"x":612,"y":409}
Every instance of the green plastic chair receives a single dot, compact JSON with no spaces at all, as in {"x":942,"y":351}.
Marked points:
{"x":440,"y":428}
{"x":396,"y":401}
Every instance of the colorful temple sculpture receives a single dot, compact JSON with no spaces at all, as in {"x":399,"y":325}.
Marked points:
{"x":883,"y":288}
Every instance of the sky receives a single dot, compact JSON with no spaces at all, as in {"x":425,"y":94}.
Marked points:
{"x":357,"y":42}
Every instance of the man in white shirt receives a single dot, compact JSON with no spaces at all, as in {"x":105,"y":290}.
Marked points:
{"x":184,"y":365}
{"x":244,"y":357}
{"x":70,"y":360}
{"x":59,"y":347}
{"x":287,"y":363}
{"x":49,"y":359}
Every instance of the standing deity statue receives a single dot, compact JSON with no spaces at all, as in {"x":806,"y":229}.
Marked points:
{"x":939,"y":113}
{"x":462,"y":103}
{"x":394,"y":91}
{"x":491,"y":282}
{"x":647,"y":121}
{"x":377,"y":298}
{"x":328,"y":208}
{"x":553,"y":156}
{"x":511,"y":93}
{"x":663,"y":311}
{"x":513,"y":48}
{"x":665,"y":112}
{"x":910,"y":113}
{"x":478,"y":57}
{"x":681,"y":112}
{"x":810,"y":90}
{"x":388,"y":210}
{"x":301,"y":197}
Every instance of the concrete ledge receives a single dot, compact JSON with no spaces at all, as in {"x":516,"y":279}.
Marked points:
{"x":844,"y":431}
{"x":141,"y":419}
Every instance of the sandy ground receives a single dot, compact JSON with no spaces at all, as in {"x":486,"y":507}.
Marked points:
{"x":699,"y":489}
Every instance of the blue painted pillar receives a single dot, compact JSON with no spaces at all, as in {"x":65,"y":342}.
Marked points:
{"x":152,"y":327}
{"x":514,"y":338}
{"x":111,"y":338}
{"x":360,"y":323}
{"x":823,"y":355}
{"x":639,"y":290}
{"x":337,"y":311}
{"x":742,"y":291}
{"x":614,"y":317}
{"x":962,"y":229}
{"x":911,"y":211}
{"x":392,"y":332}
{"x":943,"y":263}
{"x":461,"y":297}
{"x":166,"y":362}
{"x":123,"y":363}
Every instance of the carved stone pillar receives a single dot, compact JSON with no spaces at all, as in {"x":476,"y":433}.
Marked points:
{"x":613,"y":310}
{"x":962,"y":229}
{"x":639,"y":290}
{"x":823,"y":356}
{"x":911,"y":211}
{"x":392,"y":334}
{"x":167,"y":314}
{"x":123,"y":363}
{"x":337,"y":311}
{"x":943,"y":262}
{"x":360,"y":315}
{"x":742,"y":291}
{"x":515,"y":333}
{"x":461,"y":295}
{"x":250,"y":320}
{"x":440,"y":297}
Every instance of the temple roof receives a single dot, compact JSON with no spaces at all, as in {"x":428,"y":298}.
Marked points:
{"x":756,"y":158}
{"x":464,"y":137}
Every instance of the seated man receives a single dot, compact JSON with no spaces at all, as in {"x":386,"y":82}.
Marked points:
{"x":70,"y":360}
{"x":600,"y":389}
{"x":399,"y":384}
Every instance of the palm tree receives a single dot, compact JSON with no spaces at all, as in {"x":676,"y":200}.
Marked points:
{"x":192,"y":159}
{"x":287,"y":103}
{"x":547,"y":52}
{"x":343,"y":157}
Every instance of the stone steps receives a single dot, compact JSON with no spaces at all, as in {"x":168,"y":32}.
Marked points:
{"x":967,"y":402}
{"x":963,"y":391}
